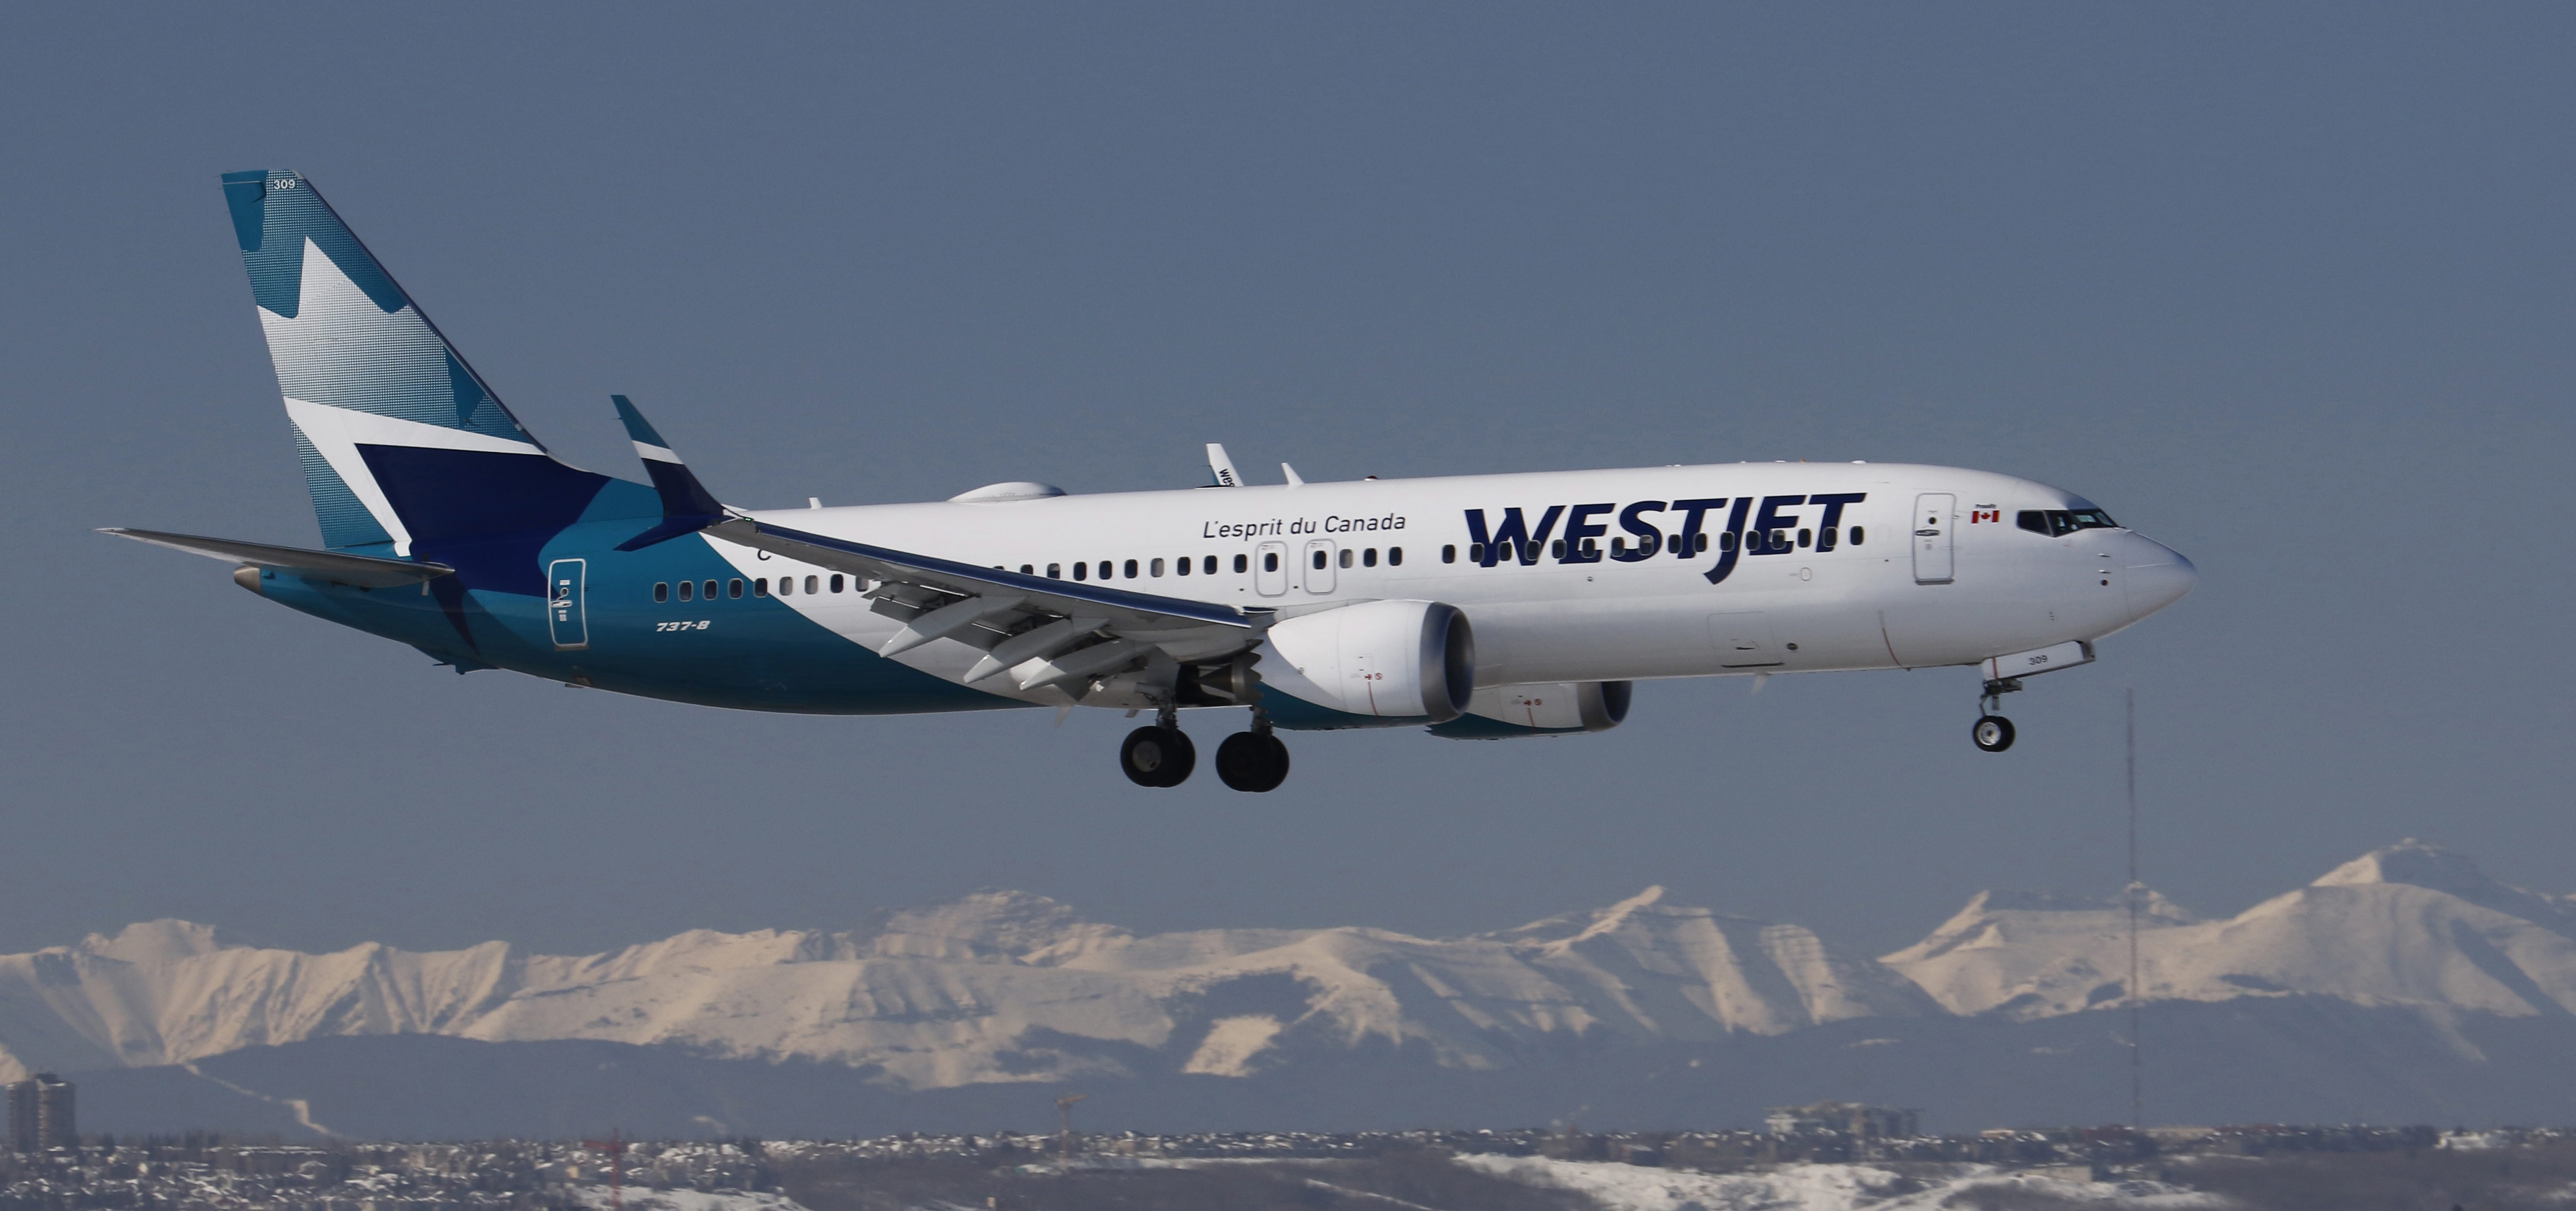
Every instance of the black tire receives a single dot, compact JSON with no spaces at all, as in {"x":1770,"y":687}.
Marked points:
{"x":1252,"y":762}
{"x":1993,"y":733}
{"x":1157,"y":756}
{"x":1180,"y":760}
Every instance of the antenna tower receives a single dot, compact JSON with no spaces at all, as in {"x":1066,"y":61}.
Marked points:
{"x":615,"y":1147}
{"x":2137,"y":1062}
{"x":1064,"y":1122}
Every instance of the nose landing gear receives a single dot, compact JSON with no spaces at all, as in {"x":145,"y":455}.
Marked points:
{"x":1253,"y":761}
{"x":1159,"y":756}
{"x":1994,"y":733}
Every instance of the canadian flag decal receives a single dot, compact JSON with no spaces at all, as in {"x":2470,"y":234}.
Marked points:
{"x":1978,"y":515}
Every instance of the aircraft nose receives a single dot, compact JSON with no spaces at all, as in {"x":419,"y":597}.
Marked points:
{"x":2158,"y":576}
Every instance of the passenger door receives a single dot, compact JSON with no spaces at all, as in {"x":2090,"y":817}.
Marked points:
{"x":1319,"y":565}
{"x":1270,"y":569}
{"x":566,"y":611}
{"x":1933,"y":520}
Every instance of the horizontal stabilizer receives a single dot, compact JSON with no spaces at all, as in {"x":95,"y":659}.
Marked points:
{"x":360,"y":571}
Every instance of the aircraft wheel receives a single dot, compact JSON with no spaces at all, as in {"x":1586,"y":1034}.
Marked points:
{"x":1993,"y":733}
{"x":1252,"y":761}
{"x":1157,"y":756}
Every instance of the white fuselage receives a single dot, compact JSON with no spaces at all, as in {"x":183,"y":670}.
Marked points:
{"x":1928,"y":566}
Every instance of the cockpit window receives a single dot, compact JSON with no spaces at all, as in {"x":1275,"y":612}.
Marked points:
{"x":2058,"y":522}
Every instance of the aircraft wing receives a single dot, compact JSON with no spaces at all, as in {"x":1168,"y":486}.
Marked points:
{"x":1044,"y":631}
{"x":362,"y":571}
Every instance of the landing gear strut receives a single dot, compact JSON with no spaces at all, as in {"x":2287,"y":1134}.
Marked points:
{"x":1993,"y":732}
{"x":1161,"y":755}
{"x":1255,"y":760}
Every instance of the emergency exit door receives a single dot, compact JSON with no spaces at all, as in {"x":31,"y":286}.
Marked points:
{"x":565,"y":611}
{"x":1270,"y":569}
{"x":1319,"y":565}
{"x":1932,"y":523}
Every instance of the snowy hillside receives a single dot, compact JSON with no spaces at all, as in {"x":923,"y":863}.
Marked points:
{"x":2411,"y":925}
{"x":1006,"y":986}
{"x":996,"y":987}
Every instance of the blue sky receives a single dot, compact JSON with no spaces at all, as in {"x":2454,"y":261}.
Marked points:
{"x":2288,"y":287}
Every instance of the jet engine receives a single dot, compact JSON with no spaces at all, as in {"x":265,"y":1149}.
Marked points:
{"x":1561,"y":708}
{"x":1397,"y":661}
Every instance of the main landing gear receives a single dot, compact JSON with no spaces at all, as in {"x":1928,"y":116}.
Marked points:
{"x":1993,"y":732}
{"x":1255,"y":760}
{"x":1162,"y":755}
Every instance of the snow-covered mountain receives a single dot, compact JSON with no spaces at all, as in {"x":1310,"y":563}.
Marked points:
{"x":1006,"y":986}
{"x":2411,"y":926}
{"x":1000,"y":986}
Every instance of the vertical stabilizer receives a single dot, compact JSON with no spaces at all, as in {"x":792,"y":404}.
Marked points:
{"x":403,"y":445}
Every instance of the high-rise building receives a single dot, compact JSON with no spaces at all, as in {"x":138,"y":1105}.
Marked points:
{"x":41,"y":1114}
{"x":56,"y":1125}
{"x":22,"y":1116}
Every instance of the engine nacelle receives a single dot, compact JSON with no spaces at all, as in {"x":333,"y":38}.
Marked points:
{"x":1563,"y":708}
{"x":1396,"y":661}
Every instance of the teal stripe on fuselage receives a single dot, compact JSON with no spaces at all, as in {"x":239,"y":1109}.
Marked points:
{"x":755,"y":653}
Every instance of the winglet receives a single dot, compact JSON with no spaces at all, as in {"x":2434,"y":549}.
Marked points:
{"x":1222,"y":468}
{"x":687,"y":506}
{"x":1294,"y":480}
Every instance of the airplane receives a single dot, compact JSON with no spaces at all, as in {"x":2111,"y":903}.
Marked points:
{"x":1476,"y":607}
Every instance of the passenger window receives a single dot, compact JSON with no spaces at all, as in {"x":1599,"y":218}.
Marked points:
{"x":1476,"y":552}
{"x":1131,"y":569}
{"x":1825,"y":538}
{"x":733,"y":587}
{"x":1210,"y":567}
{"x":1055,"y":571}
{"x":685,"y":587}
{"x":1449,"y":552}
{"x":1726,"y":540}
{"x":1244,"y":563}
{"x":1503,"y":551}
{"x":760,"y":587}
{"x":1395,"y":556}
{"x":786,"y":585}
{"x":1592,"y":548}
{"x":1269,"y":561}
{"x":1157,"y":568}
{"x":1319,"y":559}
{"x":1369,"y":560}
{"x":1556,"y":549}
{"x":1029,"y":569}
{"x":1858,"y":533}
{"x":1081,"y":571}
{"x":1346,"y":557}
{"x":1805,"y":536}
{"x":710,"y":591}
{"x":1182,"y":565}
{"x":661,"y":591}
{"x":836,"y":582}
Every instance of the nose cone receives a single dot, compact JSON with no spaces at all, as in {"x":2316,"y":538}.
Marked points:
{"x":2158,"y":576}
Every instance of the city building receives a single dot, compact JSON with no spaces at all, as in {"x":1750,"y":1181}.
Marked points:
{"x":1855,"y":1119}
{"x":41,"y":1114}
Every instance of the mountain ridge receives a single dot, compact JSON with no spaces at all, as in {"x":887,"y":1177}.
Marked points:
{"x":1004,"y":986}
